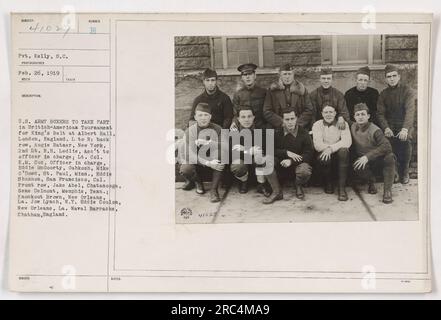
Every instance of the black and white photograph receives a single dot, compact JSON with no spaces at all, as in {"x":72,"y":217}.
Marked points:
{"x":301,"y":128}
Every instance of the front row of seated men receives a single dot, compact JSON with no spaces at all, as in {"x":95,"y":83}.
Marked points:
{"x":295,"y":155}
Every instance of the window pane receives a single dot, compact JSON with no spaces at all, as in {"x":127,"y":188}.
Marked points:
{"x":268,"y":51}
{"x":217,"y":52}
{"x":378,"y":48}
{"x":326,"y":49}
{"x":233,"y":59}
{"x":242,"y":50}
{"x":352,"y":49}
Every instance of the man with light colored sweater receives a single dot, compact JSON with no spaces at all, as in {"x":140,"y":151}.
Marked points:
{"x":332,"y":145}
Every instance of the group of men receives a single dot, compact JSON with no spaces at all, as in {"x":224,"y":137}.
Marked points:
{"x":325,"y":131}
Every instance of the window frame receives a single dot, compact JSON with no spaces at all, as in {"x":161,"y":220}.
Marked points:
{"x":224,"y":40}
{"x":371,"y":62}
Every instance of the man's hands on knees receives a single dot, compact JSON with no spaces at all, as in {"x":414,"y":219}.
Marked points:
{"x":286,"y":163}
{"x":361,"y":162}
{"x":294,"y":156}
{"x":388,"y":133}
{"x":403,"y":134}
{"x":215,"y":165}
{"x":326,"y":154}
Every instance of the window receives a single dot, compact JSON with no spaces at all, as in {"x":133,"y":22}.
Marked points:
{"x":230,"y":52}
{"x":349,"y":49}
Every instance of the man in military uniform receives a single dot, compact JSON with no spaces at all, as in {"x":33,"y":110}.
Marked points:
{"x":396,"y":114}
{"x":202,"y":148}
{"x":293,"y":151}
{"x":373,"y":151}
{"x":220,"y":103}
{"x":287,"y":93}
{"x":362,"y":93}
{"x":327,"y":95}
{"x":332,"y":145}
{"x":249,"y":94}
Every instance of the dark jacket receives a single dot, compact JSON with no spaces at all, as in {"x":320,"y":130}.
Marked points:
{"x":255,"y":98}
{"x":321,"y":97}
{"x":369,"y":97}
{"x":221,"y":108}
{"x":396,"y":108}
{"x":255,"y":141}
{"x":368,"y":140}
{"x":276,"y":102}
{"x":300,"y":144}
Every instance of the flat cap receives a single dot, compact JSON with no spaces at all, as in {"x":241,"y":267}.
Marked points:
{"x":361,"y":107}
{"x":286,"y":67}
{"x":365,"y":71}
{"x":203,"y":107}
{"x":390,"y":68}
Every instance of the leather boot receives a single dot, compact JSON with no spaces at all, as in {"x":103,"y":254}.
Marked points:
{"x":396,"y":175}
{"x":277,"y":190}
{"x":199,"y":186}
{"x":299,"y":191}
{"x":388,"y":173}
{"x":342,"y":176}
{"x":342,"y":194}
{"x":329,"y":187}
{"x":214,"y":193}
{"x":188,"y":185}
{"x":405,"y":176}
{"x":243,"y":186}
{"x":387,"y":196}
{"x":263,"y":189}
{"x":372,"y":189}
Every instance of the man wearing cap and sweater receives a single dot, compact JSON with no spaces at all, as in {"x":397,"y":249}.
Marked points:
{"x":293,"y":151}
{"x":396,"y":114}
{"x":326,"y":95}
{"x":373,"y":151}
{"x":332,"y":144}
{"x":220,"y":103}
{"x":284,"y":94}
{"x":202,"y":147}
{"x":362,"y":93}
{"x":249,"y":94}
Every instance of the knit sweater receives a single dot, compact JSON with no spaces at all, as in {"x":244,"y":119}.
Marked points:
{"x":211,"y":133}
{"x":370,"y":97}
{"x":221,"y":108}
{"x":396,"y":108}
{"x":321,"y":97}
{"x":328,"y":135}
{"x":369,"y":141}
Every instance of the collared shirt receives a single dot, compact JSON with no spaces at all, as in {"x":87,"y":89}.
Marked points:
{"x":328,"y":135}
{"x":292,"y":132}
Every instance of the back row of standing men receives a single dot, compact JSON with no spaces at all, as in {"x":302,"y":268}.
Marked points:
{"x":292,"y":111}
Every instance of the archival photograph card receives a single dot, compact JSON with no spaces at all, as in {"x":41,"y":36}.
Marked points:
{"x":220,"y":152}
